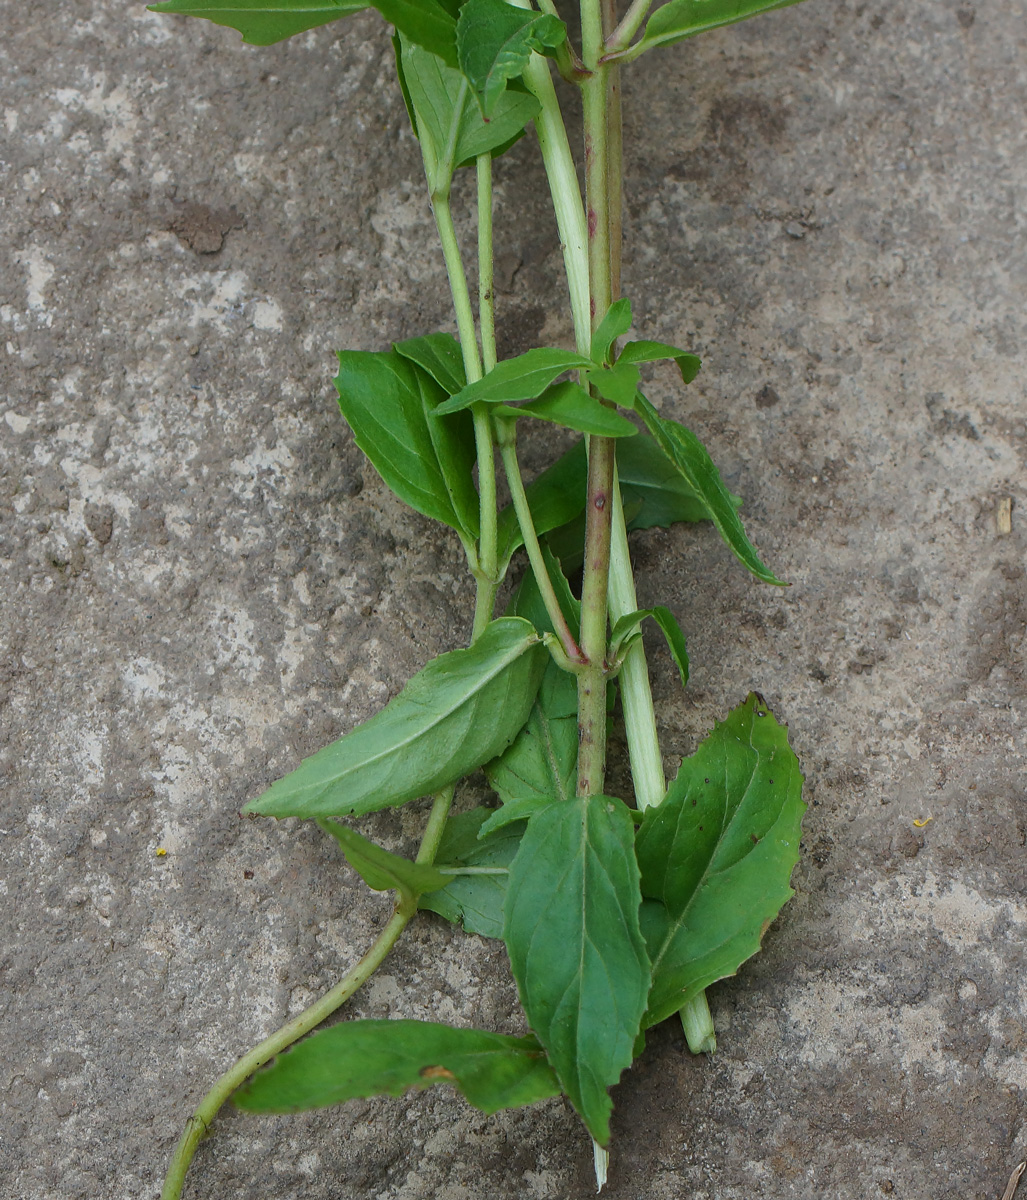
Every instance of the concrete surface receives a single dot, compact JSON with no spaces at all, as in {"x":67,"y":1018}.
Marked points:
{"x":201,"y":582}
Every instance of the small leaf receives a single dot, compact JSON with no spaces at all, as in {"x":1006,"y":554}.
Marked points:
{"x":691,"y":458}
{"x":615,"y":324}
{"x":651,"y":481}
{"x":576,"y":947}
{"x":494,"y":42}
{"x":439,"y":354}
{"x":263,"y":22}
{"x":459,"y":712}
{"x":617,"y":383}
{"x":717,"y":854}
{"x":388,"y":403}
{"x":682,"y":18}
{"x":521,"y":378}
{"x":669,"y":627}
{"x":636,"y":352}
{"x":569,"y":405}
{"x":474,"y":901}
{"x":380,"y":869}
{"x":527,"y":600}
{"x":425,"y":23}
{"x":514,"y":810}
{"x":356,"y":1059}
{"x":554,"y":497}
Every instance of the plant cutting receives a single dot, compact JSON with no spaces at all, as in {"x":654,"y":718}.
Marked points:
{"x":617,"y":912}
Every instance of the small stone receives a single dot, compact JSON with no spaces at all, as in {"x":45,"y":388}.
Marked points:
{"x":795,"y":230}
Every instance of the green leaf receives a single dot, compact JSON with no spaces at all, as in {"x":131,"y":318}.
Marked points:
{"x":460,"y":711}
{"x":669,"y":627}
{"x":262,"y":22}
{"x":617,"y":383}
{"x":691,"y":458}
{"x":425,"y":23}
{"x":527,"y":600}
{"x":636,"y":352}
{"x":370,"y":1058}
{"x":717,"y":854}
{"x":569,"y":405}
{"x":650,"y":481}
{"x":576,"y":947}
{"x":439,"y":354}
{"x":474,"y":901}
{"x":514,"y":810}
{"x":615,"y":324}
{"x":522,"y":378}
{"x":494,"y":41}
{"x":380,"y":869}
{"x":554,"y":497}
{"x":446,"y":119}
{"x":682,"y":18}
{"x":388,"y":402}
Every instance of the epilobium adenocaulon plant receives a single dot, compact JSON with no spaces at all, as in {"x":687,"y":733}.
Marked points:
{"x":614,"y":918}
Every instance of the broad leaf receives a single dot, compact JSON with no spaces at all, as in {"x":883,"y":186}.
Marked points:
{"x":522,"y":378}
{"x":682,"y":18}
{"x":262,"y":22}
{"x":388,"y":402}
{"x":357,"y":1059}
{"x":669,"y":627}
{"x":692,"y":460}
{"x":648,"y":476}
{"x":617,"y":383}
{"x":554,"y":497}
{"x":474,"y":901}
{"x":460,"y":711}
{"x":569,"y":405}
{"x":576,"y":948}
{"x":494,"y":41}
{"x":446,"y":118}
{"x":380,"y":869}
{"x":636,"y":352}
{"x":717,"y":853}
{"x":615,"y":324}
{"x":439,"y":354}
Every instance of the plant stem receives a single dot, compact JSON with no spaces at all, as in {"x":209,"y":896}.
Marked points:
{"x":629,"y":26}
{"x":486,"y":281}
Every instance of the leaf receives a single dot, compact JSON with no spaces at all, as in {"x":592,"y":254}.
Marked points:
{"x":569,"y":405}
{"x":423,"y":22}
{"x":554,"y":497}
{"x":388,"y":402}
{"x":369,"y":1058}
{"x":617,"y":383}
{"x":648,"y":476}
{"x":576,"y":947}
{"x":514,"y":810}
{"x":439,"y":354}
{"x":682,"y":18}
{"x":474,"y":901}
{"x":380,"y":869}
{"x":494,"y":42}
{"x":521,"y":378}
{"x":262,"y":22}
{"x":636,"y":352}
{"x":717,"y":853}
{"x":615,"y":324}
{"x":527,"y":600}
{"x":669,"y":627}
{"x":691,"y":458}
{"x":460,"y":711}
{"x":446,"y":119}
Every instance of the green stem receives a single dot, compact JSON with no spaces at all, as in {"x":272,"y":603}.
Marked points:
{"x":486,"y":273}
{"x":629,"y":26}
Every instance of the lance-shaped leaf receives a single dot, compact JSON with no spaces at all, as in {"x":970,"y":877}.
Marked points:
{"x":522,"y":378}
{"x":554,"y":497}
{"x":446,"y":118}
{"x":576,"y":948}
{"x":356,"y":1059}
{"x":381,"y":869}
{"x":388,"y":402}
{"x":457,"y":713}
{"x":683,"y":18}
{"x":439,"y":354}
{"x":494,"y":42}
{"x":615,"y":324}
{"x":617,"y":383}
{"x":692,"y":460}
{"x":622,"y":634}
{"x":474,"y":900}
{"x":262,"y":22}
{"x":569,"y":405}
{"x":651,"y":482}
{"x":717,"y":853}
{"x":636,"y":352}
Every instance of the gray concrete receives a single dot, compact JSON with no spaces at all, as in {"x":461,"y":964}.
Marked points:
{"x":202,"y":582}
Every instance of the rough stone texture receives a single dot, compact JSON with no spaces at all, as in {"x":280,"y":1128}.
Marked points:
{"x":202,"y":582}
